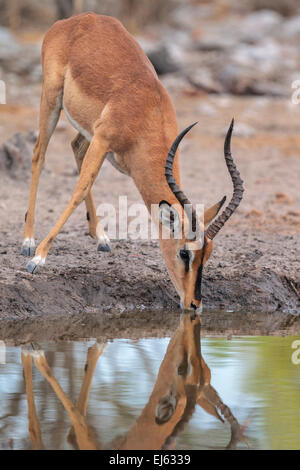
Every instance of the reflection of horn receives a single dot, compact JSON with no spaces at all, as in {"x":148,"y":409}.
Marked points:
{"x":210,"y":396}
{"x":238,"y":189}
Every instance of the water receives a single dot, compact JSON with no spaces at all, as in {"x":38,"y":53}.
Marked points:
{"x":256,"y":377}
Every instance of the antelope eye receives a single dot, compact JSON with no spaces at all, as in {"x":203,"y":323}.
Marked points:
{"x":184,"y":254}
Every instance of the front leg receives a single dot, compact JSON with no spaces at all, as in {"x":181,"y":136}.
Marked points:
{"x":90,"y":168}
{"x":84,"y":435}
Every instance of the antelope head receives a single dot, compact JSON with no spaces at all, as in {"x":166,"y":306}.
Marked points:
{"x":186,"y":254}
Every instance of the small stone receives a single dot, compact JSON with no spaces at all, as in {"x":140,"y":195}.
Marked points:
{"x":283,"y":198}
{"x":294,"y":213}
{"x":254,"y":213}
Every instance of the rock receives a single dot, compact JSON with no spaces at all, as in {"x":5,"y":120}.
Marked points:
{"x":221,"y":44}
{"x":294,"y":213}
{"x":16,"y":154}
{"x":291,"y":28}
{"x":176,"y":83}
{"x":8,"y":44}
{"x":246,"y":81}
{"x":166,"y":55}
{"x":207,"y":109}
{"x":268,"y":88}
{"x":233,"y":81}
{"x":283,"y":198}
{"x":20,"y":59}
{"x":259,"y":24}
{"x":27,"y":62}
{"x":202,"y":79}
{"x":254,"y":213}
{"x":162,"y":61}
{"x":263,"y":56}
{"x":189,"y":16}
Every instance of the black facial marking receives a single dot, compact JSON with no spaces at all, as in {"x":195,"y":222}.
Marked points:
{"x":185,"y":256}
{"x":198,"y":295}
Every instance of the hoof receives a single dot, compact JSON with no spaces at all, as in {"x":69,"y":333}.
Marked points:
{"x":37,"y":354}
{"x":28,"y":250}
{"x":102,"y":247}
{"x":28,"y":247}
{"x":103,"y":243}
{"x":34,"y":265}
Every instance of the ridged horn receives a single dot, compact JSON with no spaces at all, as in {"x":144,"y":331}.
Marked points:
{"x":179,"y":194}
{"x":238,"y":189}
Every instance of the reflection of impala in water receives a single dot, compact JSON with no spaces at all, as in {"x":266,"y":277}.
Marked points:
{"x":183,"y":382}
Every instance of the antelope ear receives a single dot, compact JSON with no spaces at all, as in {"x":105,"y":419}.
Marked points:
{"x":211,"y":213}
{"x":169,"y":218}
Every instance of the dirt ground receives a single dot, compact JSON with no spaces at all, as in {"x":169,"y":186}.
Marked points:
{"x":251,"y":283}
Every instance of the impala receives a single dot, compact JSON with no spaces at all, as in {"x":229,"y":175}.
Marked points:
{"x":98,"y":74}
{"x":183,"y":381}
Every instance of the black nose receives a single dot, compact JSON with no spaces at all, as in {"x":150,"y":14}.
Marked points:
{"x":193,"y":306}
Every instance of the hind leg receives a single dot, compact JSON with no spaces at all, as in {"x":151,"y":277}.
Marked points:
{"x":49,"y":114}
{"x":80,"y":145}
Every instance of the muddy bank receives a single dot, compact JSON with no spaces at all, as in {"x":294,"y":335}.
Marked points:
{"x":141,"y":324}
{"x":127,"y":293}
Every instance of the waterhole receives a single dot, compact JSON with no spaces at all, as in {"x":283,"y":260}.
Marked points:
{"x":152,"y":393}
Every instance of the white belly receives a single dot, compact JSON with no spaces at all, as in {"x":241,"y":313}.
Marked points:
{"x":77,"y":126}
{"x":111,"y":157}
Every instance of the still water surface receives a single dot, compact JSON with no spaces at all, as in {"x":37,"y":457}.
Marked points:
{"x":254,"y":377}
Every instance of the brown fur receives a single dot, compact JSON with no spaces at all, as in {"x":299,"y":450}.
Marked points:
{"x":95,"y":69}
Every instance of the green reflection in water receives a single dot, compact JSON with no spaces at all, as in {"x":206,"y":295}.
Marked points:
{"x":254,"y":376}
{"x":260,"y":382}
{"x":274,"y":378}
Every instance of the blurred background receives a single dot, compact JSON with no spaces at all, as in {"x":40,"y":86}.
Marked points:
{"x":219,"y":46}
{"x":216,"y":58}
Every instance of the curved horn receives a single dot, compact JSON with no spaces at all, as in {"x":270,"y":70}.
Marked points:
{"x":238,"y":189}
{"x":179,"y":194}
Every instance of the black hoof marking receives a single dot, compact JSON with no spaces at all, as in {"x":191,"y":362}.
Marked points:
{"x":105,"y":247}
{"x":28,"y":250}
{"x":32,"y":267}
